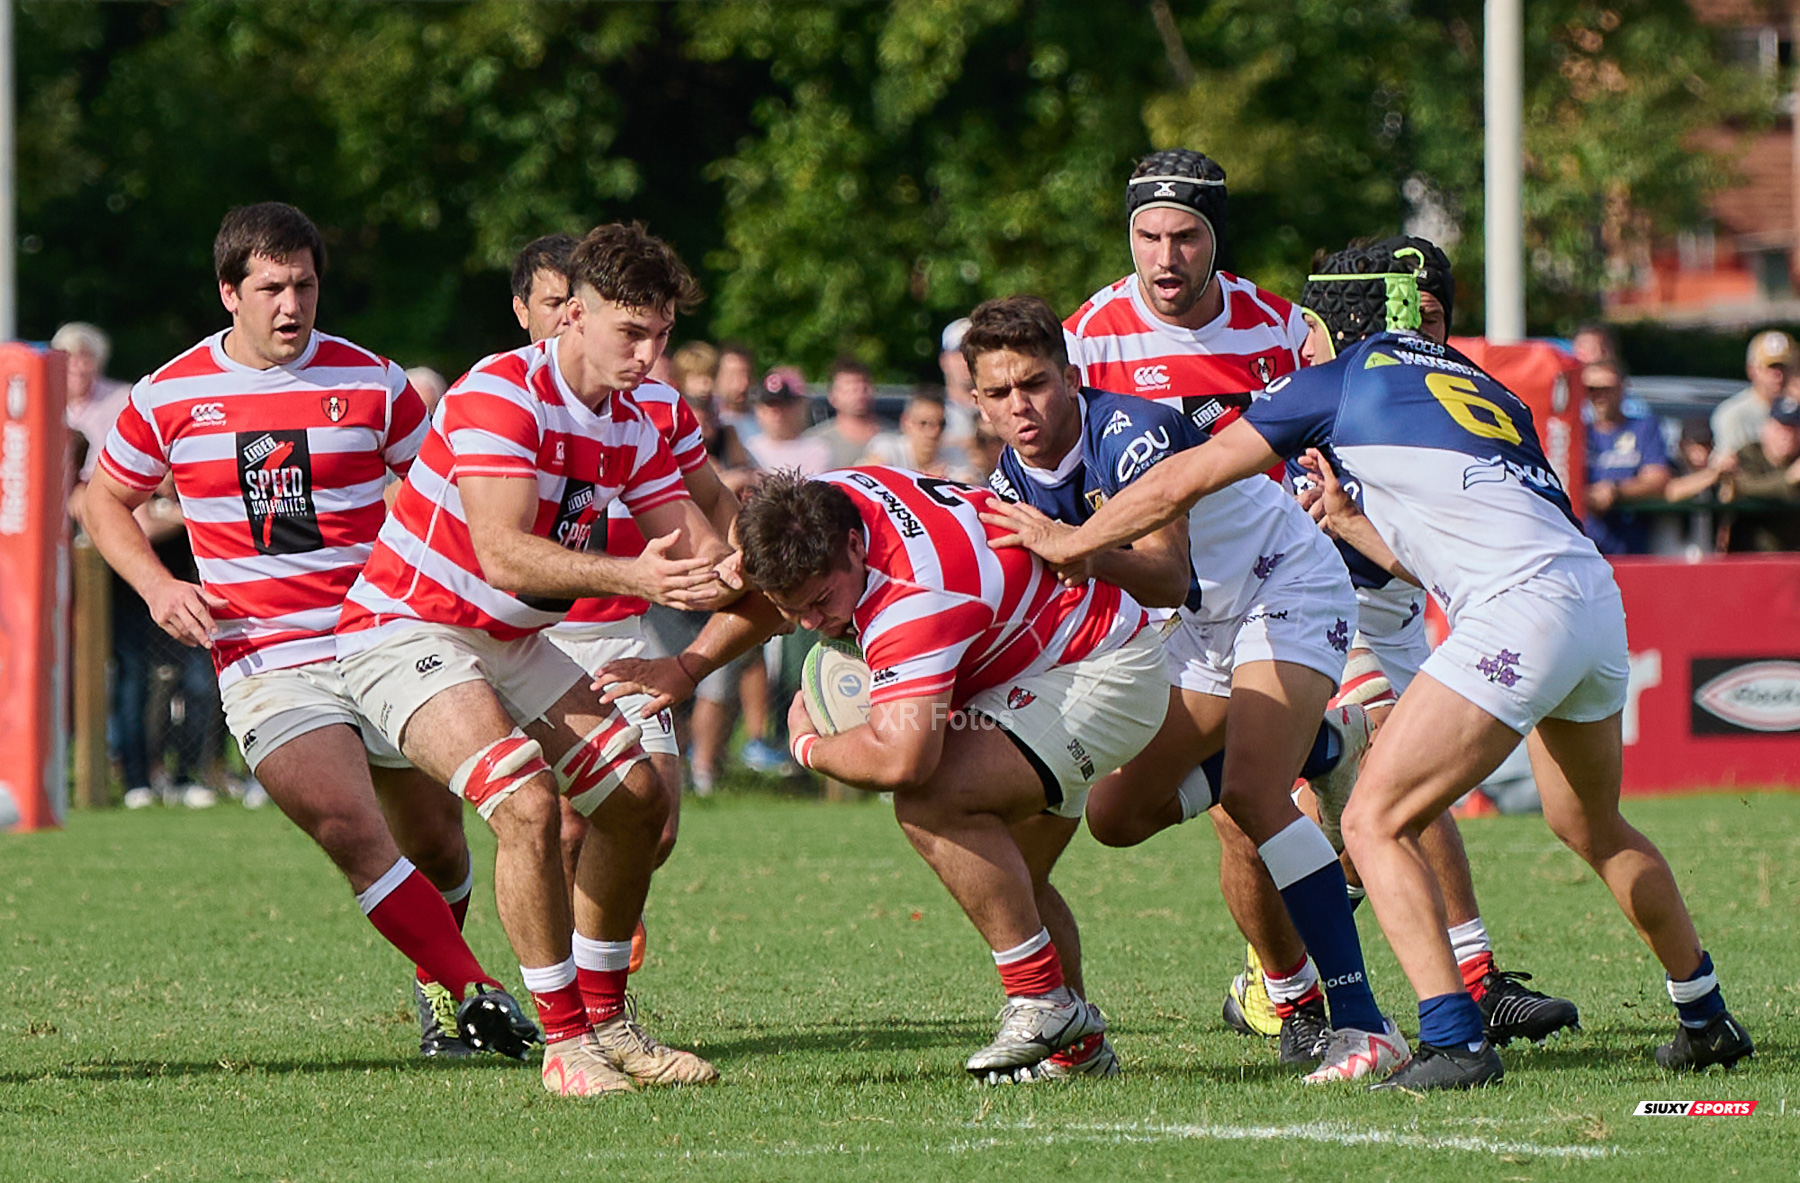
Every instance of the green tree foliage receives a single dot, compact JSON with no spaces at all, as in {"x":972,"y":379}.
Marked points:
{"x":845,"y":176}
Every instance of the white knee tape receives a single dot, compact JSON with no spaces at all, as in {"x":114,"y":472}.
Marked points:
{"x":591,"y":769}
{"x":1365,"y":682}
{"x":494,"y":773}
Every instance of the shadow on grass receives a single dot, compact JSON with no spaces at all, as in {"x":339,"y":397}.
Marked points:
{"x":160,"y":1069}
{"x":901,"y":1035}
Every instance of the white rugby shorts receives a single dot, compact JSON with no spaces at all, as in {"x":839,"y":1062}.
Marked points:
{"x":1075,"y":723}
{"x":1390,"y":622}
{"x":1552,"y":647}
{"x":593,"y":645}
{"x":265,"y":710}
{"x":416,"y":661}
{"x":1302,"y":612}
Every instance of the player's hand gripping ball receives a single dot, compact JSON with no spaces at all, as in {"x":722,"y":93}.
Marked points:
{"x":834,"y":685}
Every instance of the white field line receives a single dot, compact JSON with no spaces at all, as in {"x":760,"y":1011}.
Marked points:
{"x":1337,"y":1135}
{"x":1028,"y":1133}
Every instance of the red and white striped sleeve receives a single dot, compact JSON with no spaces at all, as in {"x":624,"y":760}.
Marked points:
{"x":135,"y":454}
{"x":407,"y":422}
{"x":492,"y":429}
{"x":915,"y":643}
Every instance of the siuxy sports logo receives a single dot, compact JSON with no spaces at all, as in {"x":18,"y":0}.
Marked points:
{"x":1119,"y":422}
{"x":1694,"y":1109}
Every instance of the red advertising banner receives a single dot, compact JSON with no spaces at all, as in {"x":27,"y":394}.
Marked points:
{"x":1548,"y":380}
{"x":34,"y":545}
{"x":1715,"y":672}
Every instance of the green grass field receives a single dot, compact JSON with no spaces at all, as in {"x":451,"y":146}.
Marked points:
{"x":195,"y":996}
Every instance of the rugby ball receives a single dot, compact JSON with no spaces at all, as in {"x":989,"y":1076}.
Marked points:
{"x":834,"y":684}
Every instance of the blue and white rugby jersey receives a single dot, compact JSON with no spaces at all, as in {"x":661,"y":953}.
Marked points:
{"x":1449,"y":463}
{"x":1236,"y":536}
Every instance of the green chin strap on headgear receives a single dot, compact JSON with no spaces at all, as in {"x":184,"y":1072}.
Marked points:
{"x":1402,"y":289}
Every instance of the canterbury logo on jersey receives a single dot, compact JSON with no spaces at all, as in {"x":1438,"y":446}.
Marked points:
{"x":275,"y":476}
{"x":207,"y":414}
{"x":1151,"y":377}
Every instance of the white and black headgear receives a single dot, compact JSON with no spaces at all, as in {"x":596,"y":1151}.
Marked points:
{"x":1183,"y":179}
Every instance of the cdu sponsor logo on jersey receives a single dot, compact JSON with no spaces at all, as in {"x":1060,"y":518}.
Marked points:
{"x":275,"y":477}
{"x":1140,"y":452}
{"x":336,"y":407}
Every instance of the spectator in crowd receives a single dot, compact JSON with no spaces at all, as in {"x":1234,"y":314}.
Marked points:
{"x":696,"y":376}
{"x":1768,"y":471}
{"x":1701,"y":469}
{"x":1626,"y":463}
{"x":781,"y":441}
{"x":429,"y":383}
{"x":1595,"y":342}
{"x":854,"y":424}
{"x":732,"y":387}
{"x":94,"y":400}
{"x":919,"y":444}
{"x":1770,"y":363}
{"x":985,"y":453}
{"x":540,"y":285}
{"x":959,"y":387}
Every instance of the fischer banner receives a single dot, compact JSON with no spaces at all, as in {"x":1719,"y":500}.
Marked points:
{"x":34,"y":585}
{"x":1714,"y":699}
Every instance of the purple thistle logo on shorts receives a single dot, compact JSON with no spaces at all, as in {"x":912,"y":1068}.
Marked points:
{"x":1338,"y":636}
{"x":1265,"y":564}
{"x":1500,"y":668}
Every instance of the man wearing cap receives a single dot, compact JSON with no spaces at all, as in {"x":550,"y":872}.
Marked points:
{"x":1768,"y":470}
{"x":780,"y":419}
{"x":1769,"y":362}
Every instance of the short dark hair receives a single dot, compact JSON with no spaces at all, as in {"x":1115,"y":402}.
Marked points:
{"x":272,"y":229}
{"x":793,"y":529}
{"x":846,"y":363}
{"x":629,"y":266}
{"x":726,"y":348}
{"x":1024,"y":324}
{"x":549,"y":253}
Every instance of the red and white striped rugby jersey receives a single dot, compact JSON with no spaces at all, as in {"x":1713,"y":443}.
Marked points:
{"x":623,"y":540}
{"x":1206,"y":373}
{"x":942,"y":610}
{"x":510,"y":416}
{"x":280,"y":474}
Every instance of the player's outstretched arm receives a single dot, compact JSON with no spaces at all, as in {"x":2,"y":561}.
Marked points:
{"x":1342,"y":518}
{"x":501,"y":513}
{"x":183,"y":610}
{"x":896,"y":750}
{"x":1159,"y":497}
{"x":692,"y":536}
{"x":729,"y":633}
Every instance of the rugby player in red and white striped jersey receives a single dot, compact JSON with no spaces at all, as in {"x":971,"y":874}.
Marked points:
{"x":998,"y":697}
{"x":279,"y":438}
{"x":600,"y":629}
{"x":493,"y":536}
